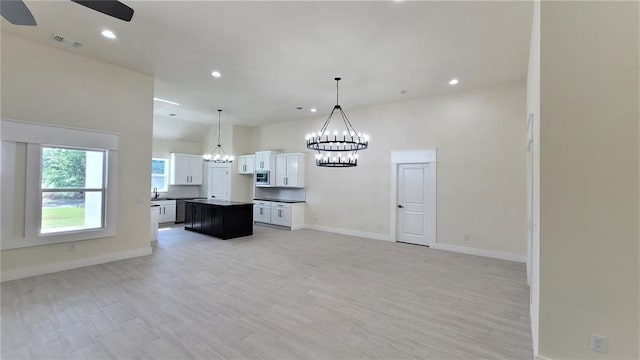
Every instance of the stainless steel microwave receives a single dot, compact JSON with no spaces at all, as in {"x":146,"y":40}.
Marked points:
{"x":264,"y":178}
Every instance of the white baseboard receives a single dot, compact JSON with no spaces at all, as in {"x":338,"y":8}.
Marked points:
{"x":480,"y":252}
{"x":538,"y":357}
{"x":534,"y":335}
{"x":439,"y":246}
{"x":349,"y":232}
{"x":73,"y":264}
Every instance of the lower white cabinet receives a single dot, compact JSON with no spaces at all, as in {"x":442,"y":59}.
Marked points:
{"x":167,"y":210}
{"x":289,"y":215}
{"x":280,"y":216}
{"x":262,"y":211}
{"x":155,"y":213}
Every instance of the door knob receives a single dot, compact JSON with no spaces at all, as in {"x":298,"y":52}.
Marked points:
{"x":400,"y":206}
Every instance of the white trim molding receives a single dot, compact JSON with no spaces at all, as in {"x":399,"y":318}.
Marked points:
{"x":534,"y":333}
{"x":30,"y":132}
{"x":342,"y":231}
{"x":19,"y":273}
{"x":414,"y":156}
{"x":481,"y":252}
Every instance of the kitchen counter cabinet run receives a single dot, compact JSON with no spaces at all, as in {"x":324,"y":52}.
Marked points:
{"x":221,"y":219}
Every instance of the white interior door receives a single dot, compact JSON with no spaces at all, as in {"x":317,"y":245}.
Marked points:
{"x":219,"y":181}
{"x":413,"y":203}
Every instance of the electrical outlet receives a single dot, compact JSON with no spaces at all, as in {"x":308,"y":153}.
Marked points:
{"x":467,"y":237}
{"x":72,"y":247}
{"x":599,"y":343}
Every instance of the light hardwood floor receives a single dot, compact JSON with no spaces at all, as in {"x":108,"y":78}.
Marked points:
{"x":274,"y":295}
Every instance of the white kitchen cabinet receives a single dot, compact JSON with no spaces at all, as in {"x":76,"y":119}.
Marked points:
{"x":166,"y":211}
{"x":265,"y":160}
{"x":281,"y":216}
{"x":290,"y":170}
{"x":262,"y":211}
{"x":155,"y":214}
{"x":289,"y":215}
{"x":246,"y":164}
{"x":186,"y":169}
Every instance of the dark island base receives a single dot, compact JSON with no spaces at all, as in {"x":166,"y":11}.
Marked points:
{"x":224,"y":220}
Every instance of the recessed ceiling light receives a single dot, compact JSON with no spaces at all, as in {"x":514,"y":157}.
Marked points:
{"x":313,"y":110}
{"x":402,"y":92}
{"x":453,"y":82}
{"x":108,"y":34}
{"x":166,"y":101}
{"x":299,"y":108}
{"x":172,"y":114}
{"x":216,"y":74}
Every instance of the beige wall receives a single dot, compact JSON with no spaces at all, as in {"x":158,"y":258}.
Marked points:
{"x":480,"y":136}
{"x":162,"y":148}
{"x":243,"y":144}
{"x":589,"y":179}
{"x":46,"y":85}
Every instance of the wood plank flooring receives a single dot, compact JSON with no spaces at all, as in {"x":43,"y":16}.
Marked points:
{"x":273,"y":295}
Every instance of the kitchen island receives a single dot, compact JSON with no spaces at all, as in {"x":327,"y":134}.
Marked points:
{"x":222,"y":219}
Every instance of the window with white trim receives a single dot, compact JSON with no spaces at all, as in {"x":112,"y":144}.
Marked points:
{"x":159,"y":174}
{"x":72,"y":188}
{"x":58,"y":184}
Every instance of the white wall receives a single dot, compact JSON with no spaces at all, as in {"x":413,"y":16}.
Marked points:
{"x":589,"y":179}
{"x":47,"y":85}
{"x":162,"y":148}
{"x":480,"y":136}
{"x":533,"y":107}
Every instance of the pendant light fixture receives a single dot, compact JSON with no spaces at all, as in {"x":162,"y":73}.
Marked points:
{"x":218,"y":155}
{"x":337,"y":147}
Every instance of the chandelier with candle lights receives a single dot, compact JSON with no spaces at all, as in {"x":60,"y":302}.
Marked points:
{"x":337,"y":147}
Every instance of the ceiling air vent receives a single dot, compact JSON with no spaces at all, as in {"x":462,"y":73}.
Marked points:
{"x":65,"y":42}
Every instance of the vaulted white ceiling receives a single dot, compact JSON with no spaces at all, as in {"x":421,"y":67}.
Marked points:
{"x":276,"y":56}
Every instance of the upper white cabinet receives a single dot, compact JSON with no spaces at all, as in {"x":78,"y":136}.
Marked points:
{"x":186,"y":169}
{"x":265,"y":160}
{"x":246,"y":164}
{"x":290,"y":170}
